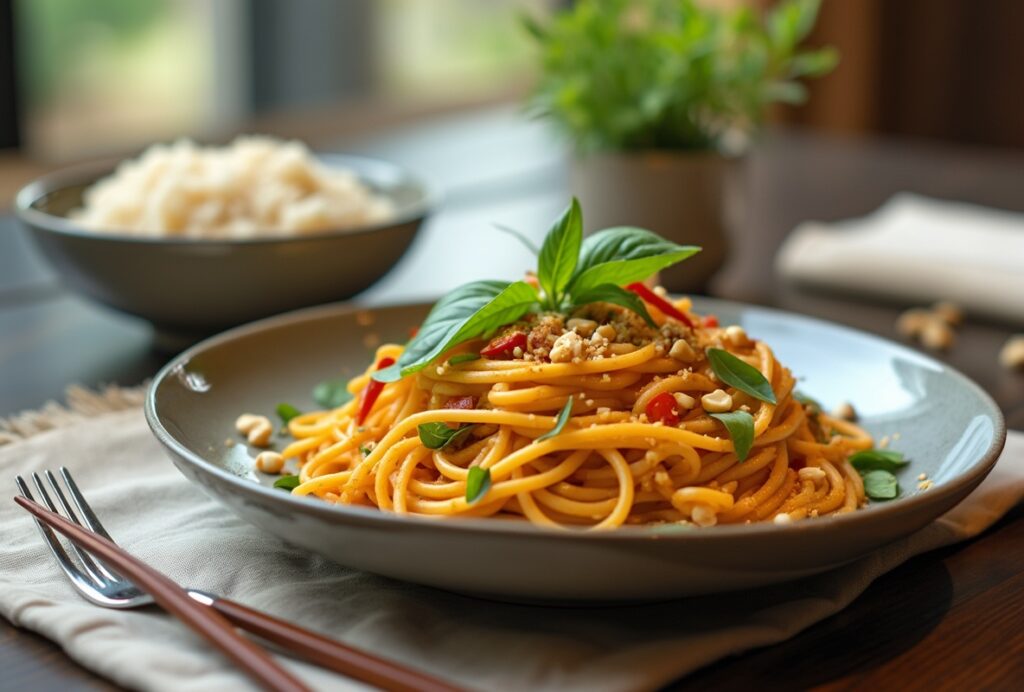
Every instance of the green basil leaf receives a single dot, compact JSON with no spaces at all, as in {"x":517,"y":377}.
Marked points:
{"x":288,"y":483}
{"x":624,"y":255}
{"x":463,"y":358}
{"x":878,"y":459}
{"x":440,"y":435}
{"x":880,"y":485}
{"x":286,"y":412}
{"x":610,"y":293}
{"x":560,"y":253}
{"x":477,"y":483}
{"x":465,"y":313}
{"x":740,"y":426}
{"x":563,"y":418}
{"x":332,"y":393}
{"x":365,"y":451}
{"x":743,"y":376}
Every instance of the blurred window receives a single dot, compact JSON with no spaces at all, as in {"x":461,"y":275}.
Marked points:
{"x":453,"y":49}
{"x":106,"y":76}
{"x":109,"y":75}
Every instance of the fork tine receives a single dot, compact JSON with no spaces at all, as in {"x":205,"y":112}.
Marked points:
{"x":88,"y":516}
{"x":77,"y":577}
{"x":87,"y":562}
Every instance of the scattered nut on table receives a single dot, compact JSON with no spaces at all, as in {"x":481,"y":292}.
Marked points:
{"x":949,"y":312}
{"x":937,"y":335}
{"x":1012,"y":354}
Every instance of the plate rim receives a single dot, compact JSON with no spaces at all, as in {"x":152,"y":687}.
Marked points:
{"x":629,"y":534}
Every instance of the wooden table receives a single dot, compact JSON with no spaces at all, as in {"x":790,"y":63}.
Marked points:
{"x":943,"y":620}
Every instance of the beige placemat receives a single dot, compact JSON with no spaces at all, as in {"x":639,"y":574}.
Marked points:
{"x":154,"y":512}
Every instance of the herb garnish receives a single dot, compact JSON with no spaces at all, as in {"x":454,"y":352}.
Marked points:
{"x":740,"y":426}
{"x":463,"y":358}
{"x":441,"y":435}
{"x":286,"y":412}
{"x":880,"y":485}
{"x":478,"y":482}
{"x":876,"y":467}
{"x":741,"y":375}
{"x":571,"y":272}
{"x":880,"y":459}
{"x":563,"y":418}
{"x":332,"y":393}
{"x":289,"y":483}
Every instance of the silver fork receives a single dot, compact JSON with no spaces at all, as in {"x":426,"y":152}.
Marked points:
{"x":103,"y":586}
{"x":96,"y":581}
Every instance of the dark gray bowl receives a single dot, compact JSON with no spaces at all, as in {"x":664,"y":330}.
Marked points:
{"x":190,"y":288}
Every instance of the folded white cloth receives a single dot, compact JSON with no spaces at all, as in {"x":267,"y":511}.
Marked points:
{"x":157,"y":515}
{"x":917,"y":249}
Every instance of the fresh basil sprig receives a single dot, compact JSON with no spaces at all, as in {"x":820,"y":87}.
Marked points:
{"x":571,"y":272}
{"x":463,"y":358}
{"x":740,"y":426}
{"x":878,"y":459}
{"x":623,"y":255}
{"x":563,"y":418}
{"x":288,"y":483}
{"x":741,"y":375}
{"x":466,"y":313}
{"x":477,"y":483}
{"x":441,"y":435}
{"x":880,"y":485}
{"x":559,"y":254}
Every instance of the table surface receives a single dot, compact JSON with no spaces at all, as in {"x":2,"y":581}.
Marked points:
{"x":943,"y":618}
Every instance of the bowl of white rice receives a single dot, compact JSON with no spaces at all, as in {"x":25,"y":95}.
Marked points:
{"x":196,"y":239}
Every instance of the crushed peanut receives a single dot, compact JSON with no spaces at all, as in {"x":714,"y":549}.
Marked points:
{"x":718,"y":401}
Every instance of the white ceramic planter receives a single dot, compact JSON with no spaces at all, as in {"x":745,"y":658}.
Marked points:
{"x":690,"y":198}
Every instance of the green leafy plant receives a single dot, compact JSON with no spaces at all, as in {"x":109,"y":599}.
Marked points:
{"x":670,"y":74}
{"x":571,"y":272}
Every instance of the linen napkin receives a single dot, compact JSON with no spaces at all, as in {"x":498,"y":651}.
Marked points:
{"x":917,"y":250}
{"x":160,"y":517}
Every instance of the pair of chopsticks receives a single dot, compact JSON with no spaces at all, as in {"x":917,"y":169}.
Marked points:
{"x":217,"y":629}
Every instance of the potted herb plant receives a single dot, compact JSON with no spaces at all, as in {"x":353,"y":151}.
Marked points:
{"x":659,"y":99}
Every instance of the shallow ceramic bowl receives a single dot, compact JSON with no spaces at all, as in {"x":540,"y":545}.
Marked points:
{"x":947,"y":426}
{"x":190,"y":287}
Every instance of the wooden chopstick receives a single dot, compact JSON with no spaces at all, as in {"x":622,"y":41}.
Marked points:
{"x":256,"y":662}
{"x":331,"y":654}
{"x":315,"y":648}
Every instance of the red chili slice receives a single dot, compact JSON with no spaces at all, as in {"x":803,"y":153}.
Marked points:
{"x":502,"y":347}
{"x":662,"y":408}
{"x":710,"y":321}
{"x":371,"y":391}
{"x":657,"y":301}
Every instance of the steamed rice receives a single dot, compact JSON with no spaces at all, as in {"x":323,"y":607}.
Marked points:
{"x":257,"y":186}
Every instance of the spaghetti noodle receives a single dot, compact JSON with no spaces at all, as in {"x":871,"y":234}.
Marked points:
{"x":640,"y":445}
